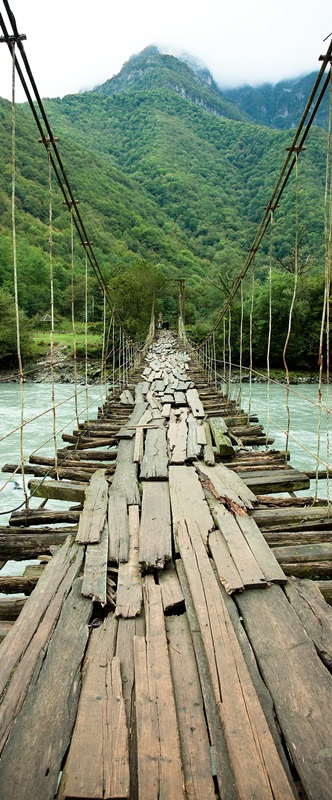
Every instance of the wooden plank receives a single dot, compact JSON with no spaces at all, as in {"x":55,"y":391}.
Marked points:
{"x":129,"y":589}
{"x":190,"y":711}
{"x":127,"y":430}
{"x":300,"y":685}
{"x":314,"y":613}
{"x":228,"y":484}
{"x":116,"y":765}
{"x":166,"y":412}
{"x":193,"y":448}
{"x":139,"y":445}
{"x":255,"y":760}
{"x":177,"y":437}
{"x":261,"y":551}
{"x":209,"y":457}
{"x":42,"y":729}
{"x":195,"y":403}
{"x":187,"y":497}
{"x":83,"y":777}
{"x":42,"y":516}
{"x":283,"y":481}
{"x":93,"y":516}
{"x":25,"y":545}
{"x":155,"y":536}
{"x":171,"y":785}
{"x":11,"y":607}
{"x":304,"y":553}
{"x":226,"y":567}
{"x":148,"y":748}
{"x":125,"y":476}
{"x":95,"y":570}
{"x":200,"y":435}
{"x":171,"y":592}
{"x":154,"y":463}
{"x":118,"y":530}
{"x":293,"y":518}
{"x":246,"y":564}
{"x":5,"y":626}
{"x":222,"y":442}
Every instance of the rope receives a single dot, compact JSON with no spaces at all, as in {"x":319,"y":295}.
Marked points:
{"x":103,"y":376}
{"x":73,"y":309}
{"x":241,"y":345}
{"x":86,"y":335}
{"x":268,"y":352}
{"x":229,"y":353}
{"x":290,"y":317}
{"x":50,"y":217}
{"x":250,"y":340}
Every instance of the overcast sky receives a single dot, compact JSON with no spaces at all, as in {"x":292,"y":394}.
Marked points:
{"x":73,"y":45}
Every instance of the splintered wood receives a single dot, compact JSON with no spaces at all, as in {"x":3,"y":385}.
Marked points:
{"x":163,"y":673}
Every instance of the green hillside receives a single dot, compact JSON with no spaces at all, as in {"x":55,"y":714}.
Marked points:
{"x":172,"y":180}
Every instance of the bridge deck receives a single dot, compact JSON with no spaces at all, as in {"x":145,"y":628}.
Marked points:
{"x":165,"y":652}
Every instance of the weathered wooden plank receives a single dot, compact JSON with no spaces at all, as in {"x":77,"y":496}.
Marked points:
{"x":5,"y":626}
{"x":245,"y":562}
{"x":127,"y":430}
{"x":314,"y":613}
{"x":42,"y":516}
{"x":118,"y":531}
{"x":228,"y":484}
{"x":209,"y":457}
{"x":139,"y":445}
{"x":283,"y":481}
{"x":261,"y":551}
{"x":221,"y":440}
{"x":166,"y":412}
{"x":200,"y":435}
{"x":293,"y":518}
{"x":179,"y":398}
{"x":129,"y":590}
{"x":304,"y":553}
{"x":83,"y":774}
{"x":116,"y":766}
{"x":93,"y":516}
{"x":301,"y":687}
{"x":171,"y":592}
{"x":95,"y":569}
{"x":190,"y":711}
{"x":16,"y":584}
{"x":148,"y":748}
{"x":193,"y":448}
{"x":177,"y":437}
{"x":255,"y":760}
{"x":195,"y":403}
{"x":187,"y":497}
{"x":58,"y":575}
{"x":226,"y":567}
{"x":125,"y":476}
{"x":43,"y":727}
{"x":155,"y":536}
{"x":154,"y":463}
{"x":11,"y":607}
{"x":159,"y":676}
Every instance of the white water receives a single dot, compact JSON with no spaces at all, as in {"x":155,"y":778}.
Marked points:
{"x":303,"y":428}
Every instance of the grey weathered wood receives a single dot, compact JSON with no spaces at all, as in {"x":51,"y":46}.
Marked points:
{"x":83,"y":774}
{"x":166,"y":410}
{"x":155,"y":536}
{"x":58,"y":490}
{"x":187,"y":498}
{"x":301,"y":687}
{"x":147,"y":726}
{"x":95,"y":569}
{"x":246,"y":564}
{"x":179,"y":398}
{"x":93,"y":516}
{"x":171,"y":592}
{"x":228,"y":485}
{"x":190,"y":711}
{"x":226,"y":567}
{"x":154,"y":463}
{"x":118,"y":531}
{"x":43,"y":727}
{"x":293,"y":518}
{"x":283,"y":481}
{"x":171,"y":785}
{"x":177,"y":437}
{"x":209,"y":457}
{"x":139,"y":445}
{"x":195,"y":403}
{"x":193,"y":448}
{"x":21,"y":546}
{"x":129,"y":589}
{"x":314,"y":613}
{"x":261,"y":551}
{"x":255,"y":760}
{"x":127,"y":430}
{"x":125,"y":476}
{"x":200,"y":435}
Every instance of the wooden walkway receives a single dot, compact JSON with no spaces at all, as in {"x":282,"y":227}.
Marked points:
{"x":166,"y":651}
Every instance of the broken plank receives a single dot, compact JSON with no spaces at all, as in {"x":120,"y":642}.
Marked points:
{"x":155,"y":536}
{"x":246,"y":564}
{"x":200,"y":435}
{"x":227,"y":571}
{"x":148,"y":749}
{"x":154,"y":464}
{"x":171,"y":592}
{"x":177,"y":437}
{"x":57,"y":490}
{"x":129,"y":589}
{"x":221,"y":440}
{"x":228,"y":484}
{"x":95,"y":569}
{"x":193,"y":448}
{"x":315,"y":614}
{"x":261,"y":551}
{"x":187,"y":497}
{"x":128,"y":429}
{"x":125,"y":476}
{"x":118,"y":531}
{"x":93,"y":516}
{"x":209,"y":457}
{"x":195,"y":403}
{"x":116,"y":762}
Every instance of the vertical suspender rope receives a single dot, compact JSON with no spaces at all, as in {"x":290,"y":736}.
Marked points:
{"x":296,"y":257}
{"x":250,"y":339}
{"x":214,"y":358}
{"x":268,"y":351}
{"x":103,"y":354}
{"x":113,"y":354}
{"x":86,"y":337}
{"x":73,"y":324}
{"x":17,"y":313}
{"x":241,"y":345}
{"x":224,"y":352}
{"x":229,"y":353}
{"x":328,"y":246}
{"x":50,"y":218}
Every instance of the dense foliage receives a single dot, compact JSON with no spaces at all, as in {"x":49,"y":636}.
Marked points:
{"x":172,"y":180}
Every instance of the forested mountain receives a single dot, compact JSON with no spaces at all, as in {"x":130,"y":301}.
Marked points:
{"x":172,"y":179}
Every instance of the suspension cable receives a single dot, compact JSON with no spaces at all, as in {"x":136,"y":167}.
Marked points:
{"x":290,"y":317}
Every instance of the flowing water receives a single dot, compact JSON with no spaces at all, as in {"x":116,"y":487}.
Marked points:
{"x":39,"y":432}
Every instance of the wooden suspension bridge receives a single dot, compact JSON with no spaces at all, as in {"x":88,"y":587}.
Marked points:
{"x":176,"y":643}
